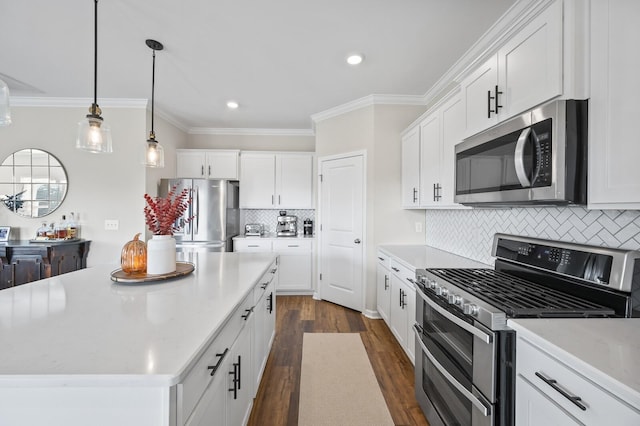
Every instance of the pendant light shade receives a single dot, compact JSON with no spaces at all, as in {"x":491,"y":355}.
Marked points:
{"x":5,"y":111}
{"x":153,"y":154}
{"x":93,"y":134}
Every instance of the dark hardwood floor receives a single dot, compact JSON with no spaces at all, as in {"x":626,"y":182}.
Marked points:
{"x":277,"y":400}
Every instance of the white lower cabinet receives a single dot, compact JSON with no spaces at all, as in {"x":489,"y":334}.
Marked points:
{"x":534,"y":408}
{"x":265,"y":324}
{"x":220,"y":388}
{"x":402,"y":311}
{"x":550,"y":391}
{"x":239,"y":378}
{"x":295,"y":264}
{"x":383,"y":286}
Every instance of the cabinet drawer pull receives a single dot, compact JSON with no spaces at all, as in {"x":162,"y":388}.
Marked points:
{"x":395,"y":269}
{"x":410,"y":280}
{"x":293,"y":245}
{"x":274,"y":270}
{"x":264,"y":285}
{"x":221,"y":356}
{"x":253,"y":245}
{"x":246,"y":315}
{"x":381,"y":258}
{"x":552,"y":383}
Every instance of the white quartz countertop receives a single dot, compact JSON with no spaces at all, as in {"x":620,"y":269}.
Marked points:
{"x":81,"y":328}
{"x":423,"y":256}
{"x":607,"y":350}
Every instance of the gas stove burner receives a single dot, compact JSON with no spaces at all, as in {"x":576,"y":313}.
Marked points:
{"x":517,"y":297}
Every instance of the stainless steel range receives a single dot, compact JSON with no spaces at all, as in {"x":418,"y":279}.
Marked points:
{"x":465,"y":372}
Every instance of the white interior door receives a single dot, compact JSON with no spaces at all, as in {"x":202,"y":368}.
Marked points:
{"x":342,"y":230}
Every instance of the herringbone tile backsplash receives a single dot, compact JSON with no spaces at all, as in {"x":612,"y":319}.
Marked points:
{"x":470,"y":233}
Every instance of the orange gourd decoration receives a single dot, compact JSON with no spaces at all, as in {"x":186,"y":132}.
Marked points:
{"x":134,"y":256}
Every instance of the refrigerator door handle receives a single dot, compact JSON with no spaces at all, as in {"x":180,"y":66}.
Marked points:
{"x":197,"y":214}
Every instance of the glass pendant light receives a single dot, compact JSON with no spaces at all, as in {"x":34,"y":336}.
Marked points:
{"x":93,"y":134}
{"x":153,"y":151}
{"x":5,"y":111}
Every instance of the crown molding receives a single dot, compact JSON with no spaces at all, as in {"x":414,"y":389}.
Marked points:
{"x":171,"y":120}
{"x":250,"y":132}
{"x":368,"y":101}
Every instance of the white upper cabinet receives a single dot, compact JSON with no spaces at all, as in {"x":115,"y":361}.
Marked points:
{"x":294,"y":181}
{"x":429,"y":159}
{"x":276,"y":181}
{"x":411,"y":169}
{"x":440,"y":131}
{"x":207,"y":164}
{"x":428,"y":156}
{"x":614,"y":175}
{"x":526,"y":71}
{"x":478,"y":93}
{"x":530,"y":64}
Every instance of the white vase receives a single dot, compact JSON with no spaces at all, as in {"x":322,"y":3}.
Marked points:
{"x":161,"y":255}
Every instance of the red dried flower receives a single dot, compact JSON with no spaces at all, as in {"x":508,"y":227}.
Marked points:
{"x":161,"y":214}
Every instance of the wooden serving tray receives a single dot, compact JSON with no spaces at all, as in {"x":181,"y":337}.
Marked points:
{"x":182,"y":268}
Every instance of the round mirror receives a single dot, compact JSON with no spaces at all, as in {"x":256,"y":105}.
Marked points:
{"x":33,"y":183}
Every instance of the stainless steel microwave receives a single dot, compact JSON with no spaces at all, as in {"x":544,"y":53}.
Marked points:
{"x":537,"y":158}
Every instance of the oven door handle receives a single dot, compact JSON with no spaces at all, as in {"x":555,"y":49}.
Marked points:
{"x":454,"y":319}
{"x":481,"y":406}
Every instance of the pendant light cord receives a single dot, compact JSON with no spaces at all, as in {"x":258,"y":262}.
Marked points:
{"x":153,"y":88}
{"x":95,"y":57}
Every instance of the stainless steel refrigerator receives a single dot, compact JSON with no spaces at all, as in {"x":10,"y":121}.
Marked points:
{"x":216,"y":215}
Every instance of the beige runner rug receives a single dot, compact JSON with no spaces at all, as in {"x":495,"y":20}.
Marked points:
{"x":337,"y":385}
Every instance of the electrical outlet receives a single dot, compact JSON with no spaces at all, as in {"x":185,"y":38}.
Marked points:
{"x":111,"y":224}
{"x":418,"y":226}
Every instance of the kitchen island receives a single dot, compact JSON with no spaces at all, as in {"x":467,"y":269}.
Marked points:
{"x":81,"y":349}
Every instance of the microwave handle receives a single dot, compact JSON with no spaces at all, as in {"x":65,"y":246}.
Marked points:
{"x":519,"y":158}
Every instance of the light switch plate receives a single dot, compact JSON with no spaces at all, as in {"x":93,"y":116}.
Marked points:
{"x":111,"y":224}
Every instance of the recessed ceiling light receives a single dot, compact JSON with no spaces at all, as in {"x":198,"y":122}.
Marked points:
{"x":232,"y":105}
{"x":355,"y":59}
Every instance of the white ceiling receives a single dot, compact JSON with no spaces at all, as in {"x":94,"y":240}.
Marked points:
{"x":282,"y":60}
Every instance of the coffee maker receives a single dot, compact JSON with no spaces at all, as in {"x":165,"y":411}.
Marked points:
{"x":287,"y":225}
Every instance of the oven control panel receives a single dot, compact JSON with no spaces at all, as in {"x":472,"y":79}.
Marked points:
{"x":588,"y":266}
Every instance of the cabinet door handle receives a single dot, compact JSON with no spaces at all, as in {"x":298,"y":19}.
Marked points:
{"x":234,"y":373}
{"x":498,"y":106}
{"x":572,"y":398}
{"x":239,"y":372}
{"x":270,"y":299}
{"x":386,"y":281}
{"x":434,"y":192}
{"x":209,"y":170}
{"x":202,"y":170}
{"x":279,"y":202}
{"x":489,"y":110}
{"x":272,"y":199}
{"x":221,"y":356}
{"x":415,"y":195}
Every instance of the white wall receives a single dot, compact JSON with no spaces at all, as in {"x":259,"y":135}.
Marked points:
{"x":101,"y":186}
{"x":376,"y":130}
{"x":252,"y":142}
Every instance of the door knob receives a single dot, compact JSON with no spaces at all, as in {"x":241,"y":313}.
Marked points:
{"x":357,"y":241}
